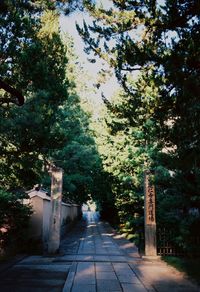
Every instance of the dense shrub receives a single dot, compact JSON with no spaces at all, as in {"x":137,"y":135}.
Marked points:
{"x":14,"y":219}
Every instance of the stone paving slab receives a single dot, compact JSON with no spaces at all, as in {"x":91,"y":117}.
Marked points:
{"x":103,"y":267}
{"x":161,"y":276}
{"x":85,"y":258}
{"x":105,"y":276}
{"x":134,"y":288}
{"x":70,"y":278}
{"x":117,"y":258}
{"x":85,"y":274}
{"x":45,"y":268}
{"x":128,"y":279}
{"x":28,"y":289}
{"x":118,"y":266}
{"x":101,"y":258}
{"x":108,"y":275}
{"x":37,"y":276}
{"x":85,"y":288}
{"x":65,"y":258}
{"x":37,"y":260}
{"x":96,"y":259}
{"x":108,"y":285}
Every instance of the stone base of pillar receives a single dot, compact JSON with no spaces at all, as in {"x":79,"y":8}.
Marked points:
{"x":151,"y":258}
{"x":150,"y":240}
{"x":53,"y":247}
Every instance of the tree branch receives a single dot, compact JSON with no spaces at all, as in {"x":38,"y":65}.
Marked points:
{"x":14,"y":92}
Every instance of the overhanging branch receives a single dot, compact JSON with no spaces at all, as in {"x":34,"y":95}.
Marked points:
{"x":18,"y":98}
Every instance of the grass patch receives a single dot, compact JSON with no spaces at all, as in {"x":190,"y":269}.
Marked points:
{"x":190,"y":266}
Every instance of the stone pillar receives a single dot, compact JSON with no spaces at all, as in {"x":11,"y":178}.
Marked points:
{"x":56,"y":208}
{"x":149,"y":215}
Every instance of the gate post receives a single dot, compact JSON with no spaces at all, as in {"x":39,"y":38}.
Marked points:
{"x":149,"y":215}
{"x":56,"y":209}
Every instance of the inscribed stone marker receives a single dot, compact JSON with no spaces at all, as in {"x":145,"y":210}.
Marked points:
{"x":150,"y":215}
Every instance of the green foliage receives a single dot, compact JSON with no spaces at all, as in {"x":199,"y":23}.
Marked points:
{"x":155,"y":123}
{"x":14,"y":219}
{"x":127,"y":149}
{"x":51,"y":126}
{"x":27,"y":132}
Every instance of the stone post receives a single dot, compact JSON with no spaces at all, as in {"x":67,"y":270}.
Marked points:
{"x":149,"y":215}
{"x":56,"y":208}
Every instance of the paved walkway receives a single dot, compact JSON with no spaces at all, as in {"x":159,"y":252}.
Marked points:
{"x":93,"y":258}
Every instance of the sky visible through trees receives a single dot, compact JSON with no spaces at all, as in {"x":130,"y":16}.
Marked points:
{"x":68,"y":23}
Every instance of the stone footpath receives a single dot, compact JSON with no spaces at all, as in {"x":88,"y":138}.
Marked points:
{"x":93,"y":258}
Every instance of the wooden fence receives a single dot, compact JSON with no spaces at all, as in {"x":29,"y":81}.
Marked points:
{"x":166,"y":246}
